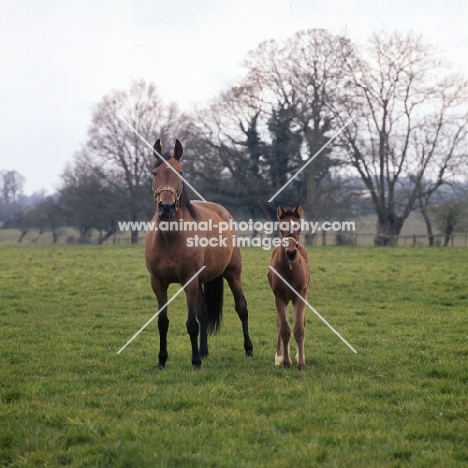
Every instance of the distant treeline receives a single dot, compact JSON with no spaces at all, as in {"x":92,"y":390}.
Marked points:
{"x":379,"y":127}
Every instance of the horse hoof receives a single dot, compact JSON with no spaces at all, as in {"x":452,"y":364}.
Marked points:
{"x":196,"y":367}
{"x":249,"y":353}
{"x":160,"y":367}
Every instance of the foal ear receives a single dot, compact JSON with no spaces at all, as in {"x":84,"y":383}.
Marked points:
{"x":158,"y":148}
{"x":280,"y":212}
{"x":178,"y":150}
{"x":298,"y":211}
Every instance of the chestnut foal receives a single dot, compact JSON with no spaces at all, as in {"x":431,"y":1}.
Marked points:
{"x":290,"y":261}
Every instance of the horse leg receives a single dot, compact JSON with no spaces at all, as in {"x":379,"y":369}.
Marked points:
{"x":284,"y":331}
{"x":163,"y":322}
{"x":193,"y":328}
{"x":240,"y":304}
{"x":233,"y":277}
{"x":203,"y":321}
{"x":299,"y":331}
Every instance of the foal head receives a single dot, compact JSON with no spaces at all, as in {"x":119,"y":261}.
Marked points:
{"x":290,"y":229}
{"x":167,"y":185}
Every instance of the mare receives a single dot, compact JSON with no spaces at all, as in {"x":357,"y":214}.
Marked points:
{"x":172,"y":256}
{"x":290,"y":261}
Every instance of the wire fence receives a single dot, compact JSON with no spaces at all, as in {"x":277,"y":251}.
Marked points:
{"x":413,"y":240}
{"x":354,"y":239}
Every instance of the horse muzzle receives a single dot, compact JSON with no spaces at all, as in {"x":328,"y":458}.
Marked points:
{"x":291,"y":255}
{"x":166,"y":210}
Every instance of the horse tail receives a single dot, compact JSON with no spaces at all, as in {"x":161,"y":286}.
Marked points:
{"x":213,"y":298}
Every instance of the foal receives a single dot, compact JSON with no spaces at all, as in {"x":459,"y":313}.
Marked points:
{"x":290,"y":261}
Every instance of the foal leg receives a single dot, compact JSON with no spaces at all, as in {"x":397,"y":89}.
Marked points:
{"x":299,"y":331}
{"x":279,"y":344}
{"x":284,"y":333}
{"x":160,"y":291}
{"x":193,"y":328}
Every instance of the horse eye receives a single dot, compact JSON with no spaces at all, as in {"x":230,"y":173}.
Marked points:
{"x":181,"y":172}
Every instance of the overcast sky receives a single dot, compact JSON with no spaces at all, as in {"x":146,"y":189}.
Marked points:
{"x":59,"y":58}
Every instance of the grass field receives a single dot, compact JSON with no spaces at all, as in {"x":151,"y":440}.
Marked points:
{"x":68,"y":399}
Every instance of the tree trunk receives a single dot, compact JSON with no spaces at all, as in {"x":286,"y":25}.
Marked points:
{"x":23,"y":233}
{"x":312,"y":198}
{"x":427,"y":221}
{"x":423,"y":203}
{"x":99,"y":241}
{"x":104,"y":237}
{"x":134,"y":233}
{"x":388,"y":230}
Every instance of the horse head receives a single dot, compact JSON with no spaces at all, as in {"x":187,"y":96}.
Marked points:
{"x":290,"y":229}
{"x":167,"y":185}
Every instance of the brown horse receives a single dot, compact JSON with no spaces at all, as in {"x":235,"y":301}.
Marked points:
{"x":290,"y":261}
{"x":174,"y":256}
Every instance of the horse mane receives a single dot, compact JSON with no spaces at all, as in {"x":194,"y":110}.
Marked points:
{"x":185,"y":203}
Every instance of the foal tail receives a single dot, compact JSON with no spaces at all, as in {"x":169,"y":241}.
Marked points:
{"x":213,"y":298}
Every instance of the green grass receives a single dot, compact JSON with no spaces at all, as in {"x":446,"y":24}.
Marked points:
{"x":68,"y":399}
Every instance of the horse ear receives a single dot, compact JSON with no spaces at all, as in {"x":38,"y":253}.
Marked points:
{"x":178,"y":150}
{"x":158,"y":148}
{"x":280,"y":212}
{"x":298,"y":211}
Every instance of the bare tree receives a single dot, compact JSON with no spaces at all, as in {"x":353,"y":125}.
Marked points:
{"x":441,"y":141}
{"x":266,"y":127}
{"x":233,"y":129}
{"x":11,"y":185}
{"x":44,"y":216}
{"x":410,"y":122}
{"x":298,"y":79}
{"x":123,"y":159}
{"x":89,"y":202}
{"x":449,"y":217}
